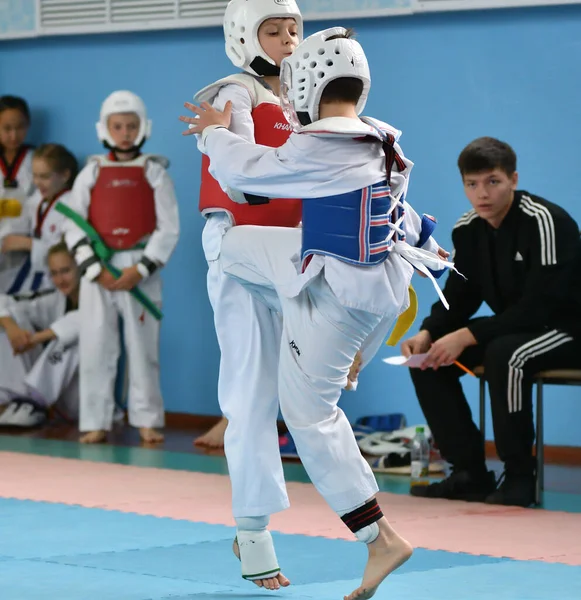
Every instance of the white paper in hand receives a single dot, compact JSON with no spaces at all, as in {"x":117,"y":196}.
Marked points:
{"x":413,"y":361}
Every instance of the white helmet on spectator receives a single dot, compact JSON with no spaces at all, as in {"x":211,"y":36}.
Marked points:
{"x":242,"y":20}
{"x":316,"y":62}
{"x":123,"y":101}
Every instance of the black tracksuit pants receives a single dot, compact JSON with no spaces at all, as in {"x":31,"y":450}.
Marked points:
{"x":510,"y":363}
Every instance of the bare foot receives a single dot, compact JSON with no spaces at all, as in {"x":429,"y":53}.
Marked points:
{"x":150,"y":435}
{"x":272,"y":583}
{"x":213,"y":438}
{"x":388,"y":552}
{"x":93,"y":437}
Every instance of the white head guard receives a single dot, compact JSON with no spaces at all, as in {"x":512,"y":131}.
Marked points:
{"x":123,"y":102}
{"x":242,"y":20}
{"x":314,"y":63}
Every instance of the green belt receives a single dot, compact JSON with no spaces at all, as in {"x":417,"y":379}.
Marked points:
{"x":104,"y":253}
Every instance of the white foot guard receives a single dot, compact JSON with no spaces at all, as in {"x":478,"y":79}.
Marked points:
{"x":257,"y":555}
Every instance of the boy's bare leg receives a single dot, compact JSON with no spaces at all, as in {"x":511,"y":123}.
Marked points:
{"x":386,"y":553}
{"x":93,"y":437}
{"x":150,"y":435}
{"x":214,"y":437}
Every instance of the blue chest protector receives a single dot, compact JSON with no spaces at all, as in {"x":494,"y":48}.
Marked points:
{"x":361,"y":226}
{"x":357,"y":227}
{"x":353,"y":227}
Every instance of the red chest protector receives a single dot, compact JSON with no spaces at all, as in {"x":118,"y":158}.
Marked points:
{"x":122,"y":208}
{"x":270,"y":129}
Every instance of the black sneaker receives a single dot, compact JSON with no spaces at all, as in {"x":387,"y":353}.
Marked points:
{"x":460,"y":485}
{"x":514,"y":490}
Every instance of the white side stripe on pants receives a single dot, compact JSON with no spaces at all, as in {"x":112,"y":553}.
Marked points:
{"x":532,"y":349}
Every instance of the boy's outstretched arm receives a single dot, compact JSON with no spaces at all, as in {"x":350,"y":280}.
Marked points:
{"x":241,"y":165}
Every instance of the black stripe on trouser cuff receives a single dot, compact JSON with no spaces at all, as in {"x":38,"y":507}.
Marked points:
{"x":148,"y":264}
{"x":83,"y":242}
{"x":87,"y":263}
{"x":363,"y":516}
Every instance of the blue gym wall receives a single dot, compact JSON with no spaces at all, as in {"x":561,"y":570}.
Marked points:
{"x":444,"y":79}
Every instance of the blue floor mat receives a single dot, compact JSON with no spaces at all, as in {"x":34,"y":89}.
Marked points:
{"x":53,"y":551}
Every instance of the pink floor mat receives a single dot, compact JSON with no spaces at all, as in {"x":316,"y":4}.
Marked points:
{"x":523,"y":534}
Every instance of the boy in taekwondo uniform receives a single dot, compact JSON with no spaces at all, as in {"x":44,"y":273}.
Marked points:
{"x":360,"y":245}
{"x":123,"y":215}
{"x":258,"y":35}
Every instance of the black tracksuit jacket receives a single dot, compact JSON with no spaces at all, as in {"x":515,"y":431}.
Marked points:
{"x":527,"y":271}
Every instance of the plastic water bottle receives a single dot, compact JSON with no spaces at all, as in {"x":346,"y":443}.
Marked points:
{"x":420,"y":452}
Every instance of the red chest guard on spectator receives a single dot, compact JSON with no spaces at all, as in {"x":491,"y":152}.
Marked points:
{"x":270,"y":129}
{"x":122,"y":208}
